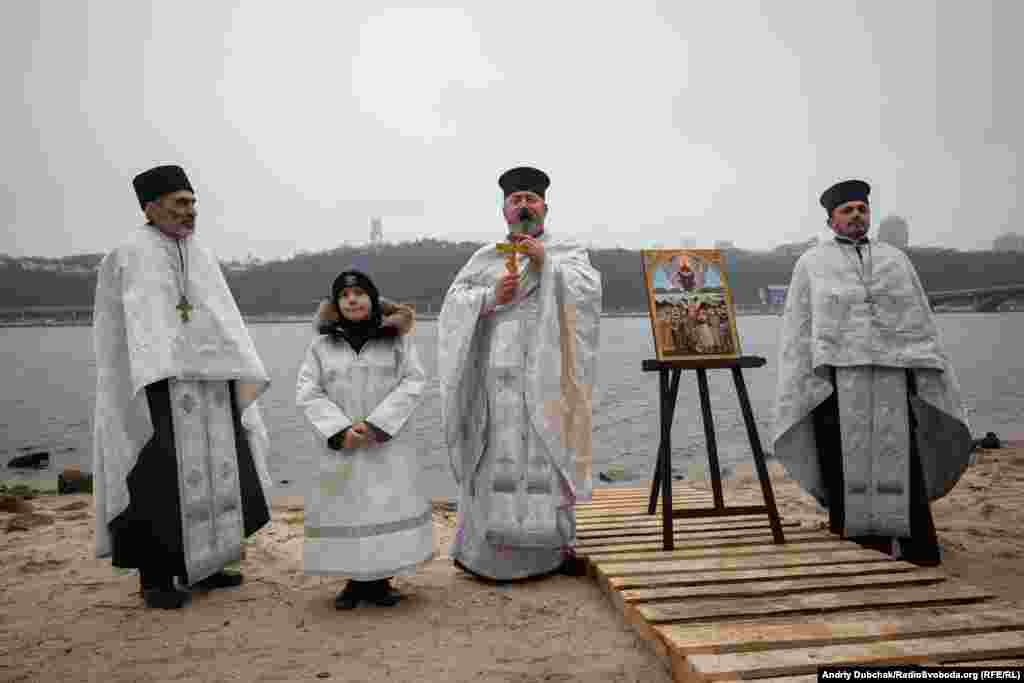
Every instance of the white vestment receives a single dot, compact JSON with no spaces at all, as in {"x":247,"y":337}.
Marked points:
{"x":865,"y":318}
{"x":517,"y":391}
{"x":139,"y":339}
{"x":366,"y":518}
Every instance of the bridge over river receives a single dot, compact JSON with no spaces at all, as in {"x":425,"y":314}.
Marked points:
{"x":984,"y":299}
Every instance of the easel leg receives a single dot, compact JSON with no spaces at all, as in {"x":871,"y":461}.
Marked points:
{"x":659,"y":472}
{"x":656,"y":482}
{"x":668,"y":403}
{"x":755,"y":445}
{"x":709,"y":435}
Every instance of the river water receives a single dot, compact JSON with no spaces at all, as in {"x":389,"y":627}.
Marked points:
{"x":48,"y":379}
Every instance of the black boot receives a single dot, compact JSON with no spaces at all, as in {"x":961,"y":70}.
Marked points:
{"x":381,"y":593}
{"x":882,"y":544}
{"x":573,"y":566}
{"x":918,"y":552}
{"x":158,"y":591}
{"x":350,"y":597}
{"x":220,"y":580}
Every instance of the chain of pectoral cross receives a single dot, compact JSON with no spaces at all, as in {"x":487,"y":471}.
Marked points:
{"x":864,"y":272}
{"x":184,"y":308}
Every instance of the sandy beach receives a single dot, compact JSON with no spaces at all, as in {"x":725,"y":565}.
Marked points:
{"x":67,"y":616}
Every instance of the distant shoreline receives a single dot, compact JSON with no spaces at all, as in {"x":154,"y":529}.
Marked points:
{"x":279,"y":319}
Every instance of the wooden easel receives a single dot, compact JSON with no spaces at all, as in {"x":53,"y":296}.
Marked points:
{"x":669,"y":390}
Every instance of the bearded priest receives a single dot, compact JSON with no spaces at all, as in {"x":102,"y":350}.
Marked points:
{"x":517,"y":354}
{"x":179,"y":449}
{"x":868,"y":412}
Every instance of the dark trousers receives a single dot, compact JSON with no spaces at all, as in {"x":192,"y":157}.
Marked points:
{"x":148,"y":534}
{"x":922,"y":545}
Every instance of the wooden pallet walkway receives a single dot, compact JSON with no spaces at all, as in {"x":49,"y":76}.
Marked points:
{"x":729,"y":604}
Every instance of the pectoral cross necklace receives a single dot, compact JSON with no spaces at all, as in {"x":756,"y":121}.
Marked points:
{"x":863,"y":272}
{"x":184,"y":308}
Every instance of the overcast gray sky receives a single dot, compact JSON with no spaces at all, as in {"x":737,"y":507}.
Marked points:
{"x":719,"y":120}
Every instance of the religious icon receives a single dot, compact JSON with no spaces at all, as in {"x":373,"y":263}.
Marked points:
{"x":690,"y":304}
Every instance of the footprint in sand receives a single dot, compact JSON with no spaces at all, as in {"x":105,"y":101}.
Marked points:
{"x":38,"y":567}
{"x":28,"y":521}
{"x":75,"y":516}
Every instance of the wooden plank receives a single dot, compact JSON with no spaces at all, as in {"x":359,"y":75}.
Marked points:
{"x":762,"y":588}
{"x":631,"y":513}
{"x":615,"y":577}
{"x":829,"y":630}
{"x":640,"y":506}
{"x":679,"y":535}
{"x":792,"y":538}
{"x":609,"y":490}
{"x":759,"y":572}
{"x":728,"y":608}
{"x":651,"y":562}
{"x":601,"y":493}
{"x":987,"y":664}
{"x":753,"y":589}
{"x":644,"y":501}
{"x":643,"y":497}
{"x":691,"y":527}
{"x":651,"y":522}
{"x":640,"y":501}
{"x":803,"y":661}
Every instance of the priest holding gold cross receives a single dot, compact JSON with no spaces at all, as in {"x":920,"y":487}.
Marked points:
{"x":179,"y":446}
{"x":517,"y":351}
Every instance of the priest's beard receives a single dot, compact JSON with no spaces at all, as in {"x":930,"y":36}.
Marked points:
{"x":852,"y":231}
{"x":522,"y":222}
{"x":177,"y":231}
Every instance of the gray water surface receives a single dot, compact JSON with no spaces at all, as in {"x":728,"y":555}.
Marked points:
{"x":47,"y":381}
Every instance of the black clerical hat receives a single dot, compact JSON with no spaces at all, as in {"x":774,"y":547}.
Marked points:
{"x":524,"y":179}
{"x":156,"y":182}
{"x":846,"y":191}
{"x":355,"y":278}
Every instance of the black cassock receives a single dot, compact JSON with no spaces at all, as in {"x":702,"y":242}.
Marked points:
{"x":923,"y":544}
{"x":148,"y":534}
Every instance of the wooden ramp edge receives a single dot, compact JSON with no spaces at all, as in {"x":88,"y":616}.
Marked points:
{"x":728,"y":604}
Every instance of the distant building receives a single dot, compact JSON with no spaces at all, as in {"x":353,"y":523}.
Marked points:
{"x":773,"y":295}
{"x":724,"y":244}
{"x":688,"y":242}
{"x":1008,"y":242}
{"x":895,"y":231}
{"x":376,"y":232}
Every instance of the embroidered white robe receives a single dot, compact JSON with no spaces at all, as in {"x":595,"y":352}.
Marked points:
{"x":366,"y":518}
{"x":517,"y":391}
{"x":139,"y":338}
{"x":829,"y":321}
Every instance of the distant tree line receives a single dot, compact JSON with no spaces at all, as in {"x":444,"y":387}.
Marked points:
{"x":420,"y":273}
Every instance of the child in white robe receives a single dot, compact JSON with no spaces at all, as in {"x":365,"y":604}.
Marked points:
{"x":361,"y":381}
